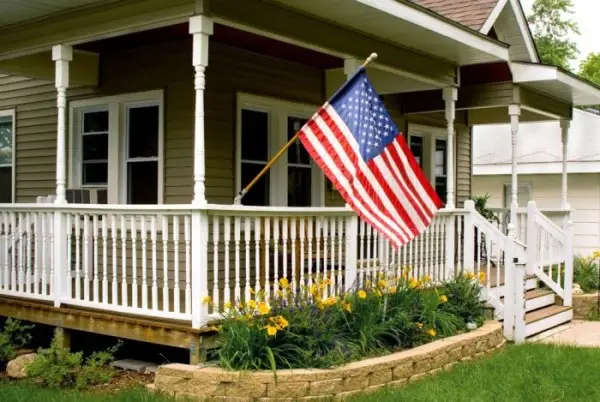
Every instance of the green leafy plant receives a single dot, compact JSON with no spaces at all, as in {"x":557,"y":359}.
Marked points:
{"x":481,"y":207}
{"x":585,"y":273}
{"x":13,"y":336}
{"x":308,"y":328}
{"x":58,"y":367}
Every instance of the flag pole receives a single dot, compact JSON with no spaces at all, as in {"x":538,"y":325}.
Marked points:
{"x":279,"y":154}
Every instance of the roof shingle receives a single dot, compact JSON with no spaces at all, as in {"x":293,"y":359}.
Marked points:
{"x":472,"y":13}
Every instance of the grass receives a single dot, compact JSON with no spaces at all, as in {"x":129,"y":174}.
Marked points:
{"x":530,"y":372}
{"x":22,"y":392}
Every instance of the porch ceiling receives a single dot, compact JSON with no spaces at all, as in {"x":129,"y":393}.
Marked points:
{"x":408,"y":25}
{"x":556,"y":82}
{"x":14,"y":12}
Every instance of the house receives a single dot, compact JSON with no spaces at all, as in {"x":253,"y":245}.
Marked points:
{"x":539,"y":157}
{"x":133,"y":125}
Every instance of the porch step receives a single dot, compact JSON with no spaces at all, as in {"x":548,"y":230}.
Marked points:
{"x":531,"y":283}
{"x":546,"y":318}
{"x":535,"y":299}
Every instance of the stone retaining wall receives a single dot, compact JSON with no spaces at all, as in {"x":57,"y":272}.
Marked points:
{"x":368,"y":375}
{"x":584,"y":304}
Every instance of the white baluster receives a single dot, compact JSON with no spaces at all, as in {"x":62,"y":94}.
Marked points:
{"x":267,"y":243}
{"x":29,"y":265}
{"x":370,"y":254}
{"x":332,"y":244}
{"x":340,"y":237}
{"x":293,"y":245}
{"x":37,"y":253}
{"x":301,"y":239}
{"x":124,"y":296}
{"x":77,"y":257}
{"x":104,"y":255}
{"x":21,"y":253}
{"x":86,"y":258}
{"x":237,"y":294}
{"x":134,"y":248}
{"x":276,"y":254}
{"x":247,"y":234}
{"x":154,"y":267}
{"x":257,"y":255}
{"x":325,"y":228}
{"x":188,"y":266}
{"x":5,"y":238}
{"x":176,"y":291}
{"x":309,"y":237}
{"x":115,"y":283}
{"x":318,"y":247}
{"x":96,"y":284}
{"x":362,"y":238}
{"x":44,"y":225}
{"x":165,"y":242}
{"x":227,"y":240}
{"x":215,"y":228}
{"x":284,"y":241}
{"x":144,"y":240}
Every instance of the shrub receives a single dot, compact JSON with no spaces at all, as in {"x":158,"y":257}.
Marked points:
{"x":585,"y":273}
{"x":310,"y":329}
{"x":464,"y":299}
{"x":58,"y":367}
{"x":14,"y":336}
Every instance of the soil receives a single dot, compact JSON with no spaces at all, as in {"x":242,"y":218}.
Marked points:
{"x":124,"y":380}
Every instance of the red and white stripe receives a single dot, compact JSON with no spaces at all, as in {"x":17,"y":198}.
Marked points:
{"x":390,"y":192}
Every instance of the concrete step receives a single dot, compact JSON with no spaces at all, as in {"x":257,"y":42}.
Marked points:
{"x":546,"y":318}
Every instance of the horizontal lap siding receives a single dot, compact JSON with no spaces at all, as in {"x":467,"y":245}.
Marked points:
{"x":463,"y":165}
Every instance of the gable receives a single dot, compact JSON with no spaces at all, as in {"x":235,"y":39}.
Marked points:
{"x":472,"y":13}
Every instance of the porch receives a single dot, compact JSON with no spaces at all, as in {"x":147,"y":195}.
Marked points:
{"x":173,"y":140}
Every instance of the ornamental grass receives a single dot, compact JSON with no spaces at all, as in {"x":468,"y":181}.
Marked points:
{"x":312,"y":328}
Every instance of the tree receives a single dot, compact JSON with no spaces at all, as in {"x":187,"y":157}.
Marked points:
{"x":590,"y":68}
{"x":553,"y":30}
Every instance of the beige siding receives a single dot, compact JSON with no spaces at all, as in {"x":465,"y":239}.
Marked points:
{"x":463,"y":164}
{"x":584,"y":197}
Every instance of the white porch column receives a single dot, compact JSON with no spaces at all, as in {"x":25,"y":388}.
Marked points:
{"x":515,"y":112}
{"x":62,"y":55}
{"x":564,"y":127}
{"x":201,"y":27}
{"x":450,"y":95}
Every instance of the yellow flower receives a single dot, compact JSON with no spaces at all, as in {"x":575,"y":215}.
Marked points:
{"x":377,"y":292}
{"x":314,"y":289}
{"x":283,"y":323}
{"x":596,"y":255}
{"x":348,"y":307}
{"x":248,"y":316}
{"x":368,"y":283}
{"x":252,"y":291}
{"x":284,"y":283}
{"x":263,"y":308}
{"x":362,"y":294}
{"x":330,"y":301}
{"x":271,"y":330}
{"x":426,"y":278}
{"x":443,"y":298}
{"x":470,"y":275}
{"x":392,"y":290}
{"x":228,"y":305}
{"x":431,"y":332}
{"x":252,"y":304}
{"x":482,"y":277}
{"x":413,"y":283}
{"x":382,"y":283}
{"x":207,"y":300}
{"x":419,"y":325}
{"x":240,"y":305}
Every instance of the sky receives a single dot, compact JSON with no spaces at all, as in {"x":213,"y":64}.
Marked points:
{"x":586,"y":15}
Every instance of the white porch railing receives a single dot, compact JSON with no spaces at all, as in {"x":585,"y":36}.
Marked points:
{"x":557,"y":215}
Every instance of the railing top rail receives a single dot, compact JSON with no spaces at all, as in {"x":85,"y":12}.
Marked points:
{"x":98,"y":208}
{"x":523,"y":210}
{"x":248,"y":210}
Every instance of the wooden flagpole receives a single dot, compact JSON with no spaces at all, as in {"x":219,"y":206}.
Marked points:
{"x":279,"y":154}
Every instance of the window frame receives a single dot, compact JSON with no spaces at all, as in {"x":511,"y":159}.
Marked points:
{"x":278,"y":110}
{"x":507,"y":187}
{"x":117,"y":106}
{"x":13,"y":172}
{"x":79,"y":145}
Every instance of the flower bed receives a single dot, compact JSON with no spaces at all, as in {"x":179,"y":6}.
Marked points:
{"x":368,"y":375}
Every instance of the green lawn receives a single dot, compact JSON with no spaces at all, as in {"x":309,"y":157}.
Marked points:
{"x":523,"y":373}
{"x":530,"y":372}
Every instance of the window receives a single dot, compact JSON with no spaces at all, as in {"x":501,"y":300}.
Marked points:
{"x":7,"y":156}
{"x":117,"y":144}
{"x":264,"y":125}
{"x":523,"y":194}
{"x":429,"y":147}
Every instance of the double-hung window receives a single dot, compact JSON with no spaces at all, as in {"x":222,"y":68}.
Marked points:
{"x":117,"y":143}
{"x":264,"y":125}
{"x":7,"y":156}
{"x":429,"y":146}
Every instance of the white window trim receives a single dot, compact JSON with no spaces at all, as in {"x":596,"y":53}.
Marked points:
{"x":117,"y":129}
{"x":278,"y":111}
{"x":12,"y":114}
{"x":429,"y":134}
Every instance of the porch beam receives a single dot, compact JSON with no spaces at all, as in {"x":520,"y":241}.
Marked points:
{"x":285,"y":25}
{"x":450,"y":95}
{"x":564,"y":127}
{"x":514,"y":112}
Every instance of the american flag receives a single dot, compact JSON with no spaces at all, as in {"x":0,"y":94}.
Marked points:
{"x":355,"y":142}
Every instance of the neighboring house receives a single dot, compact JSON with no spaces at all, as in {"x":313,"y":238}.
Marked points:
{"x":540,"y":171}
{"x":164,"y":110}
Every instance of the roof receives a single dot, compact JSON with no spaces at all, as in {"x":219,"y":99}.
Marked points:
{"x":472,"y":13}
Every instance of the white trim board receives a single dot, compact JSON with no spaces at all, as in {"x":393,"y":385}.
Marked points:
{"x":536,"y":168}
{"x":12,"y":114}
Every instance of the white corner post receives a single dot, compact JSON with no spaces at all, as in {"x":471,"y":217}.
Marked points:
{"x":351,"y":233}
{"x":450,"y":95}
{"x":470,"y":243}
{"x":515,"y":112}
{"x":201,"y":27}
{"x":564,"y":128}
{"x":61,"y":55}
